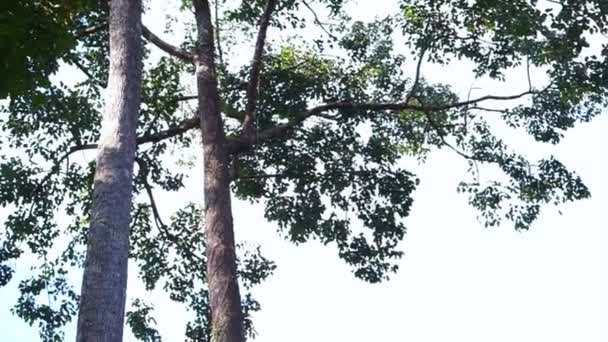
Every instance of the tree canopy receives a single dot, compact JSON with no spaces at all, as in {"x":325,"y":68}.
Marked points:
{"x":336,"y":114}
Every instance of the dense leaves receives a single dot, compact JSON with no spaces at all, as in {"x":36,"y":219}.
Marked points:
{"x":35,"y":35}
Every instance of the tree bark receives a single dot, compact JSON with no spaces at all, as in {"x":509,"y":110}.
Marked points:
{"x":102,"y":302}
{"x":224,"y":296}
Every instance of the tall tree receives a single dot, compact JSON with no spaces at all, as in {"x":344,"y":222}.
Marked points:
{"x":311,"y":158}
{"x":317,"y":129}
{"x":104,"y":284}
{"x":224,"y":295}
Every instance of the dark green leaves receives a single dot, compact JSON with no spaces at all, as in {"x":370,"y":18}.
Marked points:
{"x":141,"y":322}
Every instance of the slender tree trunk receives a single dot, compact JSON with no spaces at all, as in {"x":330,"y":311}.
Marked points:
{"x":102,"y":302}
{"x":225,"y":300}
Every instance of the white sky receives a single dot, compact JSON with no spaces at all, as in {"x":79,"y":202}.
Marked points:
{"x":458,"y":281}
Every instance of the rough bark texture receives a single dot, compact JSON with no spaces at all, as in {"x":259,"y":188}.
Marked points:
{"x":102,"y":303}
{"x":224,"y":296}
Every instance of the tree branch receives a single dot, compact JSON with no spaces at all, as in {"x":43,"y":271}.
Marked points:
{"x":182,"y":127}
{"x":254,"y":76}
{"x":317,"y":21}
{"x":91,"y":30}
{"x":241,"y":144}
{"x":160,"y":225}
{"x":179,"y":129}
{"x":84,"y":70}
{"x":168,"y":48}
{"x":57,"y":165}
{"x":412,"y":91}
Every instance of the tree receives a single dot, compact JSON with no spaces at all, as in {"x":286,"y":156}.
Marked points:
{"x":104,"y":284}
{"x":316,"y":129}
{"x":43,"y":182}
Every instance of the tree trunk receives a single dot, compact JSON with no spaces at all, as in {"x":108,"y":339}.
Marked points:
{"x":102,"y":302}
{"x":224,"y":296}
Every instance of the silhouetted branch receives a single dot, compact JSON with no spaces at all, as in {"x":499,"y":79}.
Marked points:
{"x":256,"y":67}
{"x":317,"y":21}
{"x":168,"y":48}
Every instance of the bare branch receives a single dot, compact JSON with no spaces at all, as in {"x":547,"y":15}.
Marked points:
{"x":185,"y":98}
{"x":87,"y":73}
{"x":256,"y":66}
{"x":423,"y":51}
{"x":317,"y":21}
{"x":528,"y":72}
{"x":168,"y":48}
{"x":489,"y":109}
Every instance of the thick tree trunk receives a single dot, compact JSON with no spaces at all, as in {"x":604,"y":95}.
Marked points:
{"x":224,"y":296}
{"x":102,"y":302}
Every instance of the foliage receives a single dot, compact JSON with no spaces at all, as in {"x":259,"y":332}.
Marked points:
{"x":337,"y":115}
{"x":34,"y":36}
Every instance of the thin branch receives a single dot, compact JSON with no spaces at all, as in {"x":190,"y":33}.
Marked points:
{"x":441,"y":134}
{"x":423,"y":51}
{"x":143,"y":170}
{"x":168,"y":48}
{"x":87,"y":73}
{"x":256,"y":67}
{"x":317,"y":21}
{"x":160,"y":225}
{"x":489,"y":109}
{"x":528,"y":72}
{"x":185,"y":98}
{"x":179,"y":129}
{"x":55,"y":168}
{"x":91,"y":30}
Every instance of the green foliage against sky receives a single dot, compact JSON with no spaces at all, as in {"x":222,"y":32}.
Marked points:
{"x":336,"y":115}
{"x":34,"y":37}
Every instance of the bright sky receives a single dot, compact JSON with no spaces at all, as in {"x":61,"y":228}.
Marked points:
{"x":457,"y":282}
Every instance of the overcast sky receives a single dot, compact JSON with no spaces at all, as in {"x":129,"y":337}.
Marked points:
{"x":458,"y":281}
